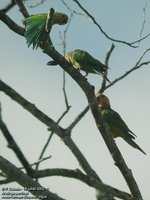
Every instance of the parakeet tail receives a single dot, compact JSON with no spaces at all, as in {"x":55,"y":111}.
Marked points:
{"x":133,"y":144}
{"x":106,"y":78}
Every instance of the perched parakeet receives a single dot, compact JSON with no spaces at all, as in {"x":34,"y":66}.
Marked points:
{"x":85,"y":62}
{"x":82,"y":60}
{"x":35,"y":27}
{"x":117,"y":126}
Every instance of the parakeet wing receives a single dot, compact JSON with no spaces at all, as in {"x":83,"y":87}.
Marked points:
{"x":87,"y":63}
{"x":35,"y":29}
{"x":115,"y":122}
{"x":84,"y":58}
{"x":117,"y":126}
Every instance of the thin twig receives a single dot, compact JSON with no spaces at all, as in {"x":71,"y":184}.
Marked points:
{"x":127,"y":73}
{"x":106,"y":63}
{"x":144,"y":21}
{"x":36,"y":4}
{"x":64,"y":91}
{"x":78,"y":118}
{"x":41,"y":160}
{"x":64,"y":53}
{"x":131,"y":44}
{"x":142,"y":56}
{"x":49,"y":139}
{"x":71,"y":10}
{"x":43,"y":150}
{"x":63,"y":39}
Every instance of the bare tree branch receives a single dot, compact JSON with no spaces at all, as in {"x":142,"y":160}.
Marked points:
{"x":31,"y":108}
{"x":22,"y":8}
{"x":5,"y":181}
{"x":13,"y":145}
{"x":49,"y":122}
{"x":17,"y":175}
{"x":11,"y":24}
{"x":12,"y":3}
{"x":9,"y":6}
{"x":77,"y":174}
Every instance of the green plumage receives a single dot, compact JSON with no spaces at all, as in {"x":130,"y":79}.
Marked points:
{"x":117,"y":126}
{"x":35,"y":28}
{"x":85,"y":62}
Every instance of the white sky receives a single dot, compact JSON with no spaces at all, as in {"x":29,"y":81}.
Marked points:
{"x":26,"y":71}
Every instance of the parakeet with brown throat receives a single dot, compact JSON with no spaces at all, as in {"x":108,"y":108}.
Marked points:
{"x":82,"y":60}
{"x":116,"y":125}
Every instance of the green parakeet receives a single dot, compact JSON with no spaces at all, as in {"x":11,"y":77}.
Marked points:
{"x":82,"y":60}
{"x":85,"y":62}
{"x":117,"y":126}
{"x":35,"y":27}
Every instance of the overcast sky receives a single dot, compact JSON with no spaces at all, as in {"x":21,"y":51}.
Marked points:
{"x":26,"y":71}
